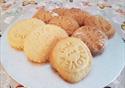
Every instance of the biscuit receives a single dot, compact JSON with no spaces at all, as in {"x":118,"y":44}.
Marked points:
{"x":60,"y":11}
{"x":92,"y":37}
{"x":78,"y":15}
{"x":102,"y":24}
{"x":72,"y":59}
{"x":20,"y":30}
{"x":39,"y":43}
{"x":65,"y":22}
{"x":43,"y":15}
{"x":75,"y":13}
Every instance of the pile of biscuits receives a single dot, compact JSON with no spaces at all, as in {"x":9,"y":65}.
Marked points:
{"x":67,"y":38}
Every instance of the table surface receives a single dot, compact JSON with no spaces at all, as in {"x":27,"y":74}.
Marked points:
{"x":9,"y":14}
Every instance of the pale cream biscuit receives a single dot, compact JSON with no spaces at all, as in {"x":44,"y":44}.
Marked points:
{"x":100,"y":23}
{"x":65,"y":22}
{"x":39,"y":43}
{"x":72,"y":59}
{"x":92,"y":37}
{"x":20,"y":30}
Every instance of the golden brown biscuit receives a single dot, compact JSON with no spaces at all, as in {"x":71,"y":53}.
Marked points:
{"x":20,"y":30}
{"x":92,"y":37}
{"x":101,"y":23}
{"x":75,"y":13}
{"x":65,"y":22}
{"x":39,"y":43}
{"x":72,"y":59}
{"x":78,"y":15}
{"x":60,"y":11}
{"x":43,"y":15}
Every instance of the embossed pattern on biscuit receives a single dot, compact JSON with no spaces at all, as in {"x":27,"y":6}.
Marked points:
{"x":92,"y":37}
{"x":72,"y":59}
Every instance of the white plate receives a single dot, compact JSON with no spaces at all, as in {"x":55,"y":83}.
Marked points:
{"x":106,"y":67}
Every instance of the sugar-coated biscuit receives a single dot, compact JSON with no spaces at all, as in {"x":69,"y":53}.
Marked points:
{"x":101,"y":23}
{"x":72,"y":59}
{"x":65,"y":22}
{"x":20,"y":30}
{"x":43,"y":15}
{"x":92,"y":37}
{"x":39,"y":43}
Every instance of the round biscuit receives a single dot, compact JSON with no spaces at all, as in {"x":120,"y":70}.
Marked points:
{"x":72,"y":59}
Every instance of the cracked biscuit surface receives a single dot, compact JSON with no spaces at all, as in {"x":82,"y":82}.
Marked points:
{"x":72,"y":59}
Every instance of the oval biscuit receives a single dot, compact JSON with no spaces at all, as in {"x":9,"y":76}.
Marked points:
{"x":39,"y":43}
{"x":20,"y":30}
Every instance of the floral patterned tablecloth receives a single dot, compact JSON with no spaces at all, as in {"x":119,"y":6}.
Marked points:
{"x":10,"y":10}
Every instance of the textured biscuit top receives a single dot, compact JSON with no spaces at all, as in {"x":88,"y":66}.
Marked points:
{"x":60,"y":11}
{"x":78,"y":15}
{"x":71,"y":54}
{"x":43,"y":15}
{"x":101,"y":23}
{"x":65,"y":22}
{"x":92,"y":37}
{"x":75,"y":13}
{"x":72,"y":59}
